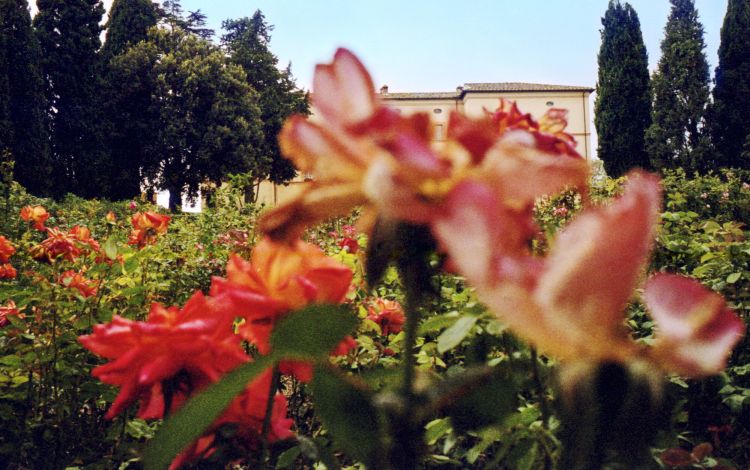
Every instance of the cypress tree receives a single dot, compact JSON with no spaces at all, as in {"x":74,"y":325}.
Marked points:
{"x":68,"y":32}
{"x":623,"y":104}
{"x":730,"y":123}
{"x":129,"y":22}
{"x":23,"y":130}
{"x":677,"y":137}
{"x":247,"y":42}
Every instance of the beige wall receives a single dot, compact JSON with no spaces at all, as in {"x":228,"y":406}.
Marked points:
{"x":474,"y":104}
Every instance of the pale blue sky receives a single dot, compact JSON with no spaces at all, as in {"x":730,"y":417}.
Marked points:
{"x":437,"y":45}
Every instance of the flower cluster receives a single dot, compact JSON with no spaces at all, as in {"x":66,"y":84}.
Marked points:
{"x":347,"y":240}
{"x":66,"y":245}
{"x":76,"y":280}
{"x":37,"y":215}
{"x":6,"y":251}
{"x":147,"y":226}
{"x":8,"y":310}
{"x":176,"y":352}
{"x":278,"y":279}
{"x":476,"y":194}
{"x":387,"y":314}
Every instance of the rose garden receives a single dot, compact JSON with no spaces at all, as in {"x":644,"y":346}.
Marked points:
{"x":494,"y":302}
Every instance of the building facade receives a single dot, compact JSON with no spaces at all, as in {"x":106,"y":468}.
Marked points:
{"x":472,"y":99}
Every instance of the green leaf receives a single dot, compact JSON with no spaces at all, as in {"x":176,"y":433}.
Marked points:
{"x":453,"y":336}
{"x":110,"y":248}
{"x":436,"y":429}
{"x":346,"y":410}
{"x":479,"y":397}
{"x":287,"y":458}
{"x":734,"y":277}
{"x":199,"y":412}
{"x":313,"y":331}
{"x":437,"y":323}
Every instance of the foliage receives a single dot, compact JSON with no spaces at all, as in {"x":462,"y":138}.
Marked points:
{"x":623,"y":104}
{"x":456,"y":339}
{"x":23,"y":129}
{"x":677,"y":137}
{"x":127,"y":101}
{"x":247,"y":41}
{"x":199,"y":119}
{"x":68,"y":33}
{"x":128,"y":24}
{"x":729,"y":127}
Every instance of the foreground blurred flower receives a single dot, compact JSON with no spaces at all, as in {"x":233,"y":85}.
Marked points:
{"x":6,"y":249}
{"x":146,"y":227}
{"x":388,"y":314}
{"x":166,"y":358}
{"x":36,"y":214}
{"x":75,"y":280}
{"x":278,"y":279}
{"x":7,"y":271}
{"x":364,"y":153}
{"x":571,"y":304}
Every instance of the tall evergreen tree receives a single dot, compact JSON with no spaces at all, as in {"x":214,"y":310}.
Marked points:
{"x":127,"y":102}
{"x":22,"y":104}
{"x":622,"y":110}
{"x":730,"y":123}
{"x":194,"y":22}
{"x":247,"y":41}
{"x":129,"y":22}
{"x":677,"y":136}
{"x":68,"y":32}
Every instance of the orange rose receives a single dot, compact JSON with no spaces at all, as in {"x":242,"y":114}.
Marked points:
{"x":36,"y":214}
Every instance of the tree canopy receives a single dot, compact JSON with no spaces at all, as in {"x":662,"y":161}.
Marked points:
{"x":677,"y":136}
{"x":128,"y":24}
{"x":247,"y":42}
{"x":623,"y":105}
{"x":202,"y":121}
{"x":730,"y":125}
{"x":23,"y":130}
{"x":68,"y":32}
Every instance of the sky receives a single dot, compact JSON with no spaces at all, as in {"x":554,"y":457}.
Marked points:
{"x":437,"y":45}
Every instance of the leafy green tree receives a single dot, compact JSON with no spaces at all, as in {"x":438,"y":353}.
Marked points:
{"x":247,"y":41}
{"x":677,"y":136}
{"x":622,"y":110}
{"x":129,"y":22}
{"x":202,"y":121}
{"x":127,"y":102}
{"x":22,"y":104}
{"x":730,"y":123}
{"x":68,"y":32}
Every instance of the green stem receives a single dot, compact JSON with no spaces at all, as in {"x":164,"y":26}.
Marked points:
{"x":266,"y":429}
{"x":540,"y":388}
